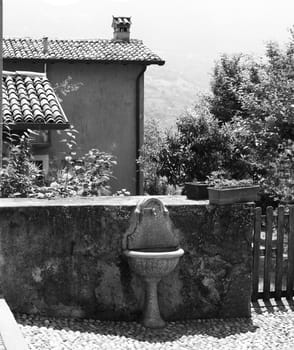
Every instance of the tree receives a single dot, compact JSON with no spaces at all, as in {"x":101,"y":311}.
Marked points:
{"x":228,"y":76}
{"x":261,"y":90}
{"x":198,"y":147}
{"x":270,"y":98}
{"x":257,"y":98}
{"x":149,"y":160}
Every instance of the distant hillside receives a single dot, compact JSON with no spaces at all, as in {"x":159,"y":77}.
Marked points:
{"x":168,"y":92}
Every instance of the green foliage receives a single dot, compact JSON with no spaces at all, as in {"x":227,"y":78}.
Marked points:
{"x":65,"y":87}
{"x":278,"y":184}
{"x":261,"y":90}
{"x":91,"y":174}
{"x":221,"y":179}
{"x":228,"y":77}
{"x":271,"y":98}
{"x":149,"y":159}
{"x":257,"y":97}
{"x":87,"y":176}
{"x":244,"y":129}
{"x":19,"y":174}
{"x":251,"y":148}
{"x":198,"y":147}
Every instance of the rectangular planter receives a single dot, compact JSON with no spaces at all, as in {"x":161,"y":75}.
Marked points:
{"x":196,"y":190}
{"x":230,"y":195}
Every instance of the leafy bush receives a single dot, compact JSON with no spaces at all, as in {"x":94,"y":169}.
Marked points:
{"x":198,"y":147}
{"x":261,"y":90}
{"x":228,"y":76}
{"x":87,"y":176}
{"x":252,"y":146}
{"x":149,"y":159}
{"x":222,"y":179}
{"x":278,"y":184}
{"x":19,"y":174}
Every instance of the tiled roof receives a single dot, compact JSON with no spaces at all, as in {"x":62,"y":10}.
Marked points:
{"x":84,"y":50}
{"x":29,"y":101}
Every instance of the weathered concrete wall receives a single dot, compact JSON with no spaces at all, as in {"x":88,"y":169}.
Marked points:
{"x":103,"y":110}
{"x":65,"y":259}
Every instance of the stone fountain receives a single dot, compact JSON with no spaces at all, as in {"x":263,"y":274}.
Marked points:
{"x":153,"y":252}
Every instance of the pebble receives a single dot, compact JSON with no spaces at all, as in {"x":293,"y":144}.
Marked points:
{"x":267,"y":329}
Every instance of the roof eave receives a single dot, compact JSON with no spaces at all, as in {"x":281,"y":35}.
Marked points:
{"x":54,"y":60}
{"x":38,"y":126}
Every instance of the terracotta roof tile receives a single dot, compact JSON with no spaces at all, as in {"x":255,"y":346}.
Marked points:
{"x":84,"y":50}
{"x":28,"y":101}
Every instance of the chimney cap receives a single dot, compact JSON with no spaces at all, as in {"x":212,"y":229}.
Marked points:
{"x":121,"y":21}
{"x":121,"y":28}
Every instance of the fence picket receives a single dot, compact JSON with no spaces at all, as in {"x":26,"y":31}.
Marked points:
{"x":256,"y":253}
{"x":279,"y":253}
{"x":268,"y":252}
{"x":290,"y":272}
{"x":284,"y":220}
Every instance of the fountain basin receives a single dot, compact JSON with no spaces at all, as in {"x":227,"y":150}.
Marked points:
{"x":153,"y":263}
{"x":152,"y":266}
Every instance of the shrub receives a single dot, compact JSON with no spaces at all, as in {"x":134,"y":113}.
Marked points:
{"x":222,"y":179}
{"x":149,"y":159}
{"x":198,"y":147}
{"x":19,"y":174}
{"x":278,"y":184}
{"x":88,"y":176}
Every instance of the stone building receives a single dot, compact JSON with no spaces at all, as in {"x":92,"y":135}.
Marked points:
{"x":107,"y":107}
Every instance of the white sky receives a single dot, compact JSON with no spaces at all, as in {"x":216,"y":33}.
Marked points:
{"x":193,"y":30}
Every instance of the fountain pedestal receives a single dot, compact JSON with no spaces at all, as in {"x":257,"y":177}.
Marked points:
{"x":151,"y":314}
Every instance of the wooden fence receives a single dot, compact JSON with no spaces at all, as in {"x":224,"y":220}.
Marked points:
{"x":273,"y":254}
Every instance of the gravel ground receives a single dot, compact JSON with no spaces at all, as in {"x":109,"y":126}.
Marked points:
{"x":271,"y":327}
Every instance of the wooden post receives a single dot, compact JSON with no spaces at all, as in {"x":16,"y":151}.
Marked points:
{"x":290,"y":274}
{"x":256,"y":253}
{"x":279,"y":253}
{"x":268,"y":253}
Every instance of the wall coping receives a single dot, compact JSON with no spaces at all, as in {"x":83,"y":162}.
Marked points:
{"x":128,"y":201}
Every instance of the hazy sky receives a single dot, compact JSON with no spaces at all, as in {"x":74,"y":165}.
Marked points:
{"x":192,"y":32}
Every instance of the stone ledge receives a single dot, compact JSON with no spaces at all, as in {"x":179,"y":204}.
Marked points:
{"x":95,"y":201}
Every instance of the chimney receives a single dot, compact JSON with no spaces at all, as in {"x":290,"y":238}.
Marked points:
{"x":45,"y":45}
{"x":121,"y":28}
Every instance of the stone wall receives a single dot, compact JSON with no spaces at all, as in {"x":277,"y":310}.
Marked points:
{"x":64,"y":258}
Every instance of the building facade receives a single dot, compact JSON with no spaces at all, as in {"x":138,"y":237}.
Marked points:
{"x":105,"y":100}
